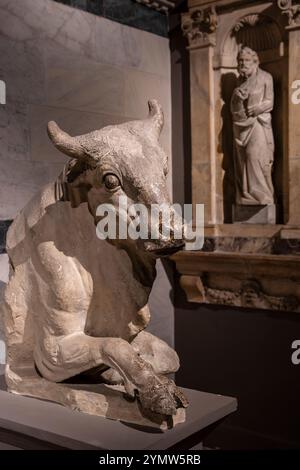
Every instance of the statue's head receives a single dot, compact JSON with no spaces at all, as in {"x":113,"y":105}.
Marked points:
{"x":121,"y":160}
{"x":248,"y":62}
{"x":250,"y":291}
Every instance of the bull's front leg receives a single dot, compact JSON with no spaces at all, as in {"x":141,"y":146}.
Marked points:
{"x":79,"y":352}
{"x":63,"y":350}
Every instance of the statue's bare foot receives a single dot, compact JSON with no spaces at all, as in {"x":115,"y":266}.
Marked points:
{"x":160,"y":395}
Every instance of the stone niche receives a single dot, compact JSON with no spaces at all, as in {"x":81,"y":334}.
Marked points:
{"x":253,"y":263}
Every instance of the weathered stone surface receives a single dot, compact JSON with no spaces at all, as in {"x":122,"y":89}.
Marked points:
{"x":248,"y":295}
{"x":125,"y":11}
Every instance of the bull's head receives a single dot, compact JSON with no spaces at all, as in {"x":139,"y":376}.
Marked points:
{"x":122,"y":160}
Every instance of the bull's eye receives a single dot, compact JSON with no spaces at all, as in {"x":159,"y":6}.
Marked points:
{"x":111,"y":182}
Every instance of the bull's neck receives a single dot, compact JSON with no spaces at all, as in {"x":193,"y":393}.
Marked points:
{"x":143,"y":264}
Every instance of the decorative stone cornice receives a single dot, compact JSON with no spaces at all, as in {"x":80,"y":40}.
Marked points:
{"x":199,"y":26}
{"x":160,"y":5}
{"x":291,"y":9}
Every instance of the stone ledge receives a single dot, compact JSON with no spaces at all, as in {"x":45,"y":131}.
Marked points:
{"x":251,"y":280}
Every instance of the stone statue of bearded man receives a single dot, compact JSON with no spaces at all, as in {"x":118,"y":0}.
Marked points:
{"x":251,"y":105}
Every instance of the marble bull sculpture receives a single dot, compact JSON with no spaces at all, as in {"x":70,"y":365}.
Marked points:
{"x":75,"y":303}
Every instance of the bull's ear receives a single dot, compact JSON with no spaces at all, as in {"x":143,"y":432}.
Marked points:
{"x":64,"y":142}
{"x":155,"y":118}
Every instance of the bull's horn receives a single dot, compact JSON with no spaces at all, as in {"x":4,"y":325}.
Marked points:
{"x":64,"y":142}
{"x":156,"y":117}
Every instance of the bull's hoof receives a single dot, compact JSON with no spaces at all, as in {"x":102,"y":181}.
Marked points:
{"x":161,"y":395}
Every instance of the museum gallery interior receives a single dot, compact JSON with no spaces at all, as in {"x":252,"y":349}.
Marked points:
{"x":149,"y":224}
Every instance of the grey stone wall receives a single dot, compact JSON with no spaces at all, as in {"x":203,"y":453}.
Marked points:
{"x":85,"y":72}
{"x":74,"y":67}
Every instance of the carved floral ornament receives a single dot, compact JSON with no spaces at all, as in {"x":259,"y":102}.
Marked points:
{"x":258,"y":31}
{"x":159,"y":5}
{"x":292,"y":10}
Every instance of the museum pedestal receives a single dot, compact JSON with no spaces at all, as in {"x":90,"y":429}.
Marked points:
{"x":28,"y":423}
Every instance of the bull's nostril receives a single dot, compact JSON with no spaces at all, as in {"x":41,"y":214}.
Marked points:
{"x":164,"y":249}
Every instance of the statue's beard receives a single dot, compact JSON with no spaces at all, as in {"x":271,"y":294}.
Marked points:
{"x":246,"y":72}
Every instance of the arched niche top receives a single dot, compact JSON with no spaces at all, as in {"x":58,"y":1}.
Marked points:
{"x":259,"y":32}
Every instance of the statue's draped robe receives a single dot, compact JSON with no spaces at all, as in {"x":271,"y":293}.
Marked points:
{"x":254,"y":142}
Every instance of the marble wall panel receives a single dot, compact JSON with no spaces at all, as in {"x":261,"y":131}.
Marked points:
{"x":117,"y":44}
{"x":202,"y":136}
{"x":70,"y":28}
{"x":139,"y":86}
{"x":294,"y":132}
{"x":158,"y":61}
{"x":73,"y":121}
{"x":83,"y":33}
{"x":127,"y":47}
{"x":4,"y":225}
{"x":82,"y":83}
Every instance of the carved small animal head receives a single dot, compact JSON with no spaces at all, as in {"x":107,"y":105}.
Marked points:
{"x":121,"y":160}
{"x":248,"y":62}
